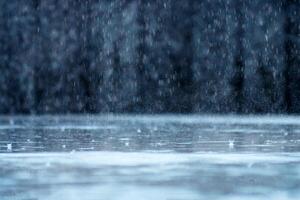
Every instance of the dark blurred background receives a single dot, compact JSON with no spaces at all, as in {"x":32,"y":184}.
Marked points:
{"x":149,"y":56}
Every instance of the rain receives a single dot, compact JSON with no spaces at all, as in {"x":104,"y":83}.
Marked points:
{"x":149,"y":99}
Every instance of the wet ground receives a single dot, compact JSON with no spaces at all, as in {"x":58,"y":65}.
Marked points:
{"x":149,"y":157}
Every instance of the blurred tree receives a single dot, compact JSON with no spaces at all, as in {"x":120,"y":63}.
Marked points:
{"x":292,"y":55}
{"x":181,"y":53}
{"x":58,"y":38}
{"x":117,"y":91}
{"x":143,"y":77}
{"x":5,"y":57}
{"x":264,"y":63}
{"x":239,"y":65}
{"x":17,"y":56}
{"x":77,"y":65}
{"x":154,"y":67}
{"x":214,"y":56}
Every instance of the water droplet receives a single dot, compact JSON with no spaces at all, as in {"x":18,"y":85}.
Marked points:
{"x":9,"y":147}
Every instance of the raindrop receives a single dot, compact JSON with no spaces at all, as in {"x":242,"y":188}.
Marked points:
{"x":231,"y":144}
{"x":9,"y":147}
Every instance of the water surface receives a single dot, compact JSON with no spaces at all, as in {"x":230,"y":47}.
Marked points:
{"x":149,"y":157}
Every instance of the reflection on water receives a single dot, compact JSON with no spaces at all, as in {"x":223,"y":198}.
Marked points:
{"x":149,"y":157}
